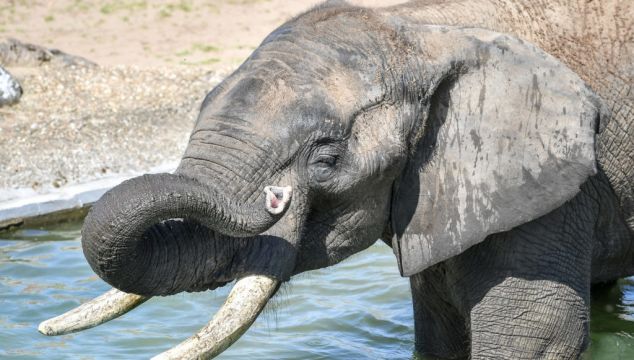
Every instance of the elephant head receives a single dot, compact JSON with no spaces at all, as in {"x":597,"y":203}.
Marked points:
{"x":344,"y":127}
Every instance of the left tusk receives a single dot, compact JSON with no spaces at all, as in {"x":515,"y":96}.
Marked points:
{"x":243,"y":305}
{"x":106,"y":307}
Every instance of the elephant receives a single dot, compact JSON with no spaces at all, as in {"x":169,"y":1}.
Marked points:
{"x":488,"y":142}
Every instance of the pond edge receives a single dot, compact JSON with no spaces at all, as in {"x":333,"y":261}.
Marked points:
{"x":65,"y":203}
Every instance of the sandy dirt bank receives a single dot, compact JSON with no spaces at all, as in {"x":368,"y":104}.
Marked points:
{"x":215,"y":34}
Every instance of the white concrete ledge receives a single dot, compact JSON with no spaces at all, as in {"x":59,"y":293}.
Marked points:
{"x":16,"y":211}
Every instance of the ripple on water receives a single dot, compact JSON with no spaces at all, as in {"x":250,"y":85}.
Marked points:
{"x":359,"y":309}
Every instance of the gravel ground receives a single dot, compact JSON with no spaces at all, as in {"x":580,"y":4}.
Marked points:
{"x":79,"y":123}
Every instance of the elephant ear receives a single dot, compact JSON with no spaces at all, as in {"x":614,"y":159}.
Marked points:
{"x":509,"y":136}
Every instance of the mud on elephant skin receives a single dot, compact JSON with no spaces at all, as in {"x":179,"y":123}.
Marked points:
{"x":471,"y":151}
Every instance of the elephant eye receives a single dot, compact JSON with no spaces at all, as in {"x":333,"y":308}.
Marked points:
{"x":326,"y":160}
{"x":323,"y":167}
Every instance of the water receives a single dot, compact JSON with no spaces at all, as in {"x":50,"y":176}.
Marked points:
{"x":359,"y":309}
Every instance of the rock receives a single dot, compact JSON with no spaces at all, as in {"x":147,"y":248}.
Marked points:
{"x":16,"y":53}
{"x":10,"y":89}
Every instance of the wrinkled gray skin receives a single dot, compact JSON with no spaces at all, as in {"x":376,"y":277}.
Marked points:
{"x":464,"y":149}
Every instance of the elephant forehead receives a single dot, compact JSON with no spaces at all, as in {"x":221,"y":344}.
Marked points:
{"x":281,"y":128}
{"x":292,"y":91}
{"x":260,"y":93}
{"x":293,"y":109}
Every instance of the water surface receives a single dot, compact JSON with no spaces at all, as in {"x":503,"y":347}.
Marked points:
{"x":359,"y":309}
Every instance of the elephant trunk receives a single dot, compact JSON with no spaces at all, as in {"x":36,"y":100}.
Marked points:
{"x":129,"y":242}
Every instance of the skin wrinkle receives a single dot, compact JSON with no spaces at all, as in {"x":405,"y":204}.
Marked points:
{"x":242,"y":155}
{"x":274,"y":162}
{"x":214,"y":163}
{"x":262,"y":171}
{"x":342,"y":234}
{"x":306,"y":52}
{"x":202,"y":158}
{"x":179,"y":251}
{"x":335,"y":234}
{"x":248,"y":144}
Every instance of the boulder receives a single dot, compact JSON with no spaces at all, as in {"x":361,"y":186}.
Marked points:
{"x":16,"y":53}
{"x":10,"y":89}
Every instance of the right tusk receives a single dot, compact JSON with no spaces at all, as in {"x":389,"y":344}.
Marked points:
{"x":108,"y":306}
{"x":243,"y":305}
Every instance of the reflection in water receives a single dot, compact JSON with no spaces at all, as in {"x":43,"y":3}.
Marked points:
{"x":612,"y":323}
{"x":360,"y":309}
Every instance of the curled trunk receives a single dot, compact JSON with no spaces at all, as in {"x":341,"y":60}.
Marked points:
{"x":129,"y":242}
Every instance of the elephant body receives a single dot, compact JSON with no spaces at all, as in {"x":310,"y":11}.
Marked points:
{"x":487,"y":301}
{"x":488,"y":142}
{"x":490,"y":300}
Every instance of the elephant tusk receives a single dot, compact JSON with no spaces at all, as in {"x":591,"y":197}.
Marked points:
{"x":105,"y":307}
{"x":243,"y":305}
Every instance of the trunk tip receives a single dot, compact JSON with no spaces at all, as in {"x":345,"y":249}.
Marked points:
{"x":277,"y":198}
